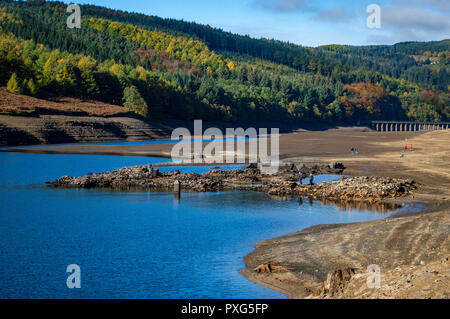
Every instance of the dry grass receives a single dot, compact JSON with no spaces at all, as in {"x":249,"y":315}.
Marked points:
{"x":17,"y":104}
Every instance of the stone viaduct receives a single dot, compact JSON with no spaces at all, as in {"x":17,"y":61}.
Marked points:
{"x":398,"y":126}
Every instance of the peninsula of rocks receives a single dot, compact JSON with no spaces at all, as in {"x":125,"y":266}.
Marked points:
{"x":286,"y":182}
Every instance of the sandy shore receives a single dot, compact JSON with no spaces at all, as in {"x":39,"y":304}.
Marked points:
{"x":412,"y":251}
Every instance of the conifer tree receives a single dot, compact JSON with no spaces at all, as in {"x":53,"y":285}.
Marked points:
{"x":13,"y":84}
{"x":133,"y":100}
{"x":31,"y":87}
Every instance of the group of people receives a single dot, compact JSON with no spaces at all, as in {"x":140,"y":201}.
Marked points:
{"x":410,"y":147}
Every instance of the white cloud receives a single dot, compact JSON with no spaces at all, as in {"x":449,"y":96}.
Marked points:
{"x":437,"y":4}
{"x":285,"y":6}
{"x":401,"y":20}
{"x":401,"y":17}
{"x":336,"y":14}
{"x":404,"y":23}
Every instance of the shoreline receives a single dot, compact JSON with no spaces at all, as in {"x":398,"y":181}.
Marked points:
{"x":306,"y":275}
{"x":308,"y":279}
{"x":74,"y":152}
{"x":284,"y":288}
{"x":411,"y":248}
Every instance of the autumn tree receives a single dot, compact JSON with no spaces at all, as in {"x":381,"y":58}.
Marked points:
{"x":31,"y":87}
{"x":133,"y":100}
{"x":13,"y":85}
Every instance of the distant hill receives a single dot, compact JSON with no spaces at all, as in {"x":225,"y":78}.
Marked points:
{"x":166,"y":68}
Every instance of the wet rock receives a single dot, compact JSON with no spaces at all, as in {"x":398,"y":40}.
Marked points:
{"x":263,"y":268}
{"x":252,"y":165}
{"x":338,"y":165}
{"x":268,"y":268}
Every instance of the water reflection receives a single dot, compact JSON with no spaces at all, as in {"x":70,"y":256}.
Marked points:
{"x":378,"y":207}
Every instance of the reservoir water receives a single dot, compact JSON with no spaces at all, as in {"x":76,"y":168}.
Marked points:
{"x":135,"y":244}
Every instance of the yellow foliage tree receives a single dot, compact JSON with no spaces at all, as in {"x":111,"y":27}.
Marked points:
{"x":31,"y":87}
{"x":13,"y":84}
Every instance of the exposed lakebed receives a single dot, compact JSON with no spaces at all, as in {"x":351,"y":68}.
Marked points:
{"x":136,"y":244}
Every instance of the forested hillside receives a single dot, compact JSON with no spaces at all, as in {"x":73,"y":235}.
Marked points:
{"x":164,"y":68}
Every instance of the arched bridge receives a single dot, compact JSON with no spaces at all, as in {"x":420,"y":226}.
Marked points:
{"x":399,"y":126}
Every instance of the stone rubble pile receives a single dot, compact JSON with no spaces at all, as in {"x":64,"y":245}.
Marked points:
{"x":348,"y":188}
{"x":284,"y":183}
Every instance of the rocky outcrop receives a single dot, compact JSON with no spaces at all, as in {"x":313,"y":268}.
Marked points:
{"x":283,"y":183}
{"x":348,"y":188}
{"x":55,"y":129}
{"x":336,"y":282}
{"x":142,"y":177}
{"x":268,"y":268}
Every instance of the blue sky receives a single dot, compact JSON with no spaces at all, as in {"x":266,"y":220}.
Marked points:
{"x":305,"y":22}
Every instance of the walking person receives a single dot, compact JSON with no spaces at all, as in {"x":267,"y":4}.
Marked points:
{"x":311,"y":179}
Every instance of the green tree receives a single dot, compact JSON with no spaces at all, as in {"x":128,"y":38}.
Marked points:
{"x":13,"y":84}
{"x":50,"y":66}
{"x":66,"y":78}
{"x":133,"y":100}
{"x":31,"y":87}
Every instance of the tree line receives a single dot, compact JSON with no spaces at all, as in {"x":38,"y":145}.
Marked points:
{"x":161,"y":71}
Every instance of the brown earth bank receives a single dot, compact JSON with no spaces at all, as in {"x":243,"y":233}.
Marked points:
{"x":26,"y":120}
{"x":331,"y":261}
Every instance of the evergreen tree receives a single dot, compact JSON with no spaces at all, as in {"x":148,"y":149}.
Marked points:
{"x":13,"y":84}
{"x":133,"y":100}
{"x":31,"y":87}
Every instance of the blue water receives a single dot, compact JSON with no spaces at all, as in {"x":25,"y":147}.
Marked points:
{"x":134,"y":244}
{"x":151,"y":142}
